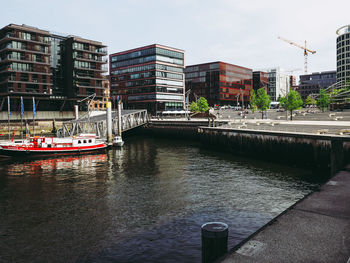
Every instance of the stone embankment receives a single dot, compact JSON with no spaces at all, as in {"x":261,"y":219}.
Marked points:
{"x":316,"y":229}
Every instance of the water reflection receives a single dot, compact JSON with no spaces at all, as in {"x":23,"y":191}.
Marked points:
{"x":51,"y":165}
{"x":144,"y":202}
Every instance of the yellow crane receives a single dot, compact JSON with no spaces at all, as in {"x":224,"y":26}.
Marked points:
{"x":306,"y":50}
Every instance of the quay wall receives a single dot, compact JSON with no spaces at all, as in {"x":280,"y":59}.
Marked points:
{"x":324,"y":153}
{"x":181,"y":129}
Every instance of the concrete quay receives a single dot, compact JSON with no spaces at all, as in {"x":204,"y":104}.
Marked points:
{"x":316,"y":229}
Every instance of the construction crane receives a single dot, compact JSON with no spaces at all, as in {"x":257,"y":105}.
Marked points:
{"x":306,"y":50}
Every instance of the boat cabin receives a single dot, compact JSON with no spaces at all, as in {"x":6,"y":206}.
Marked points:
{"x":52,"y":142}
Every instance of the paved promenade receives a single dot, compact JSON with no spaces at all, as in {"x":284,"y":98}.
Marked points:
{"x":304,"y":122}
{"x":317,"y":229}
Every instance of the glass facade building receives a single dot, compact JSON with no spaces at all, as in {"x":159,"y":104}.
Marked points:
{"x":260,"y":80}
{"x":279,"y":83}
{"x":220,"y":83}
{"x":150,"y":77}
{"x":53,"y":68}
{"x":343,"y":53}
{"x":311,"y":84}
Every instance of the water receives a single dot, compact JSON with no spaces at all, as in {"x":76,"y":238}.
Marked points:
{"x":143,"y":203}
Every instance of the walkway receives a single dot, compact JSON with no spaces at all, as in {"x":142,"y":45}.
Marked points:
{"x":302,"y":126}
{"x":317,"y":229}
{"x":130,"y":119}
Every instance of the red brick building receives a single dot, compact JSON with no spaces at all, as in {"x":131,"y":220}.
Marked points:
{"x":219,"y":82}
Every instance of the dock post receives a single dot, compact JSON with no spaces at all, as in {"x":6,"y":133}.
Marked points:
{"x":214,"y":241}
{"x":76,"y":111}
{"x":109,"y":123}
{"x":119,"y":118}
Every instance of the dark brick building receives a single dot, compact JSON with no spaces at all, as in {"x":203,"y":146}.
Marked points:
{"x":56,"y":70}
{"x":220,"y":83}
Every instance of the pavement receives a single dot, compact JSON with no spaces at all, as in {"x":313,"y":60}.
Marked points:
{"x":316,"y":229}
{"x":304,"y":121}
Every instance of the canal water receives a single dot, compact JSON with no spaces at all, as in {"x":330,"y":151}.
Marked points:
{"x":145,"y":202}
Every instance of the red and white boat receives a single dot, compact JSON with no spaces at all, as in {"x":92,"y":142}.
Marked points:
{"x":52,"y":145}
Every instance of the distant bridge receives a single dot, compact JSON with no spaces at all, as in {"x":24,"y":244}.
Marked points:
{"x":97,"y":124}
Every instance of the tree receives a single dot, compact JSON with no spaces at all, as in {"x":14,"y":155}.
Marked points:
{"x":347,"y":84}
{"x":323,"y":100}
{"x":252,"y":100}
{"x":279,"y":98}
{"x":310,"y":101}
{"x":194,"y":107}
{"x":262,"y":101}
{"x":202,"y":104}
{"x":292,"y":102}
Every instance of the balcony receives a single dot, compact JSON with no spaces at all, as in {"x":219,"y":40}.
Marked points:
{"x":25,"y":48}
{"x":10,"y":58}
{"x":38,"y":40}
{"x":98,"y":60}
{"x":26,"y":70}
{"x":79,"y":76}
{"x":88,"y":86}
{"x":104,"y":68}
{"x":90,"y":49}
{"x":101,"y":51}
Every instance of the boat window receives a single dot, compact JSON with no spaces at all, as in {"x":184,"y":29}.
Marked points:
{"x":79,"y":141}
{"x":84,"y":141}
{"x":90,"y":141}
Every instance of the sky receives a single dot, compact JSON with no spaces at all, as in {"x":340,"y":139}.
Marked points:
{"x":240,"y":32}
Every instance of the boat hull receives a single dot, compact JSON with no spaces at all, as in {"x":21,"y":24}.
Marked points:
{"x":23,"y":150}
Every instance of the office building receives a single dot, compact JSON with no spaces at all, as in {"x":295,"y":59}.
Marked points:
{"x":260,"y":80}
{"x":57,"y":70}
{"x":149,"y":77}
{"x":343,"y":54}
{"x":219,"y":82}
{"x":311,"y":84}
{"x":292,"y":81}
{"x":279,"y":83}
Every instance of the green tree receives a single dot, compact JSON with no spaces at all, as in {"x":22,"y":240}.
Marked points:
{"x":310,"y":101}
{"x":291,"y":102}
{"x":194,"y":107}
{"x":323,"y":100}
{"x":262,"y":101}
{"x":202,"y":104}
{"x":252,"y":100}
{"x":347,"y":84}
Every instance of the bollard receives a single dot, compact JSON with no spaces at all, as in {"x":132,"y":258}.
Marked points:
{"x":76,"y":112}
{"x":214,"y":241}
{"x":109,"y":123}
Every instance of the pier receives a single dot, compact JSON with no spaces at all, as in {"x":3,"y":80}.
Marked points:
{"x":316,"y":229}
